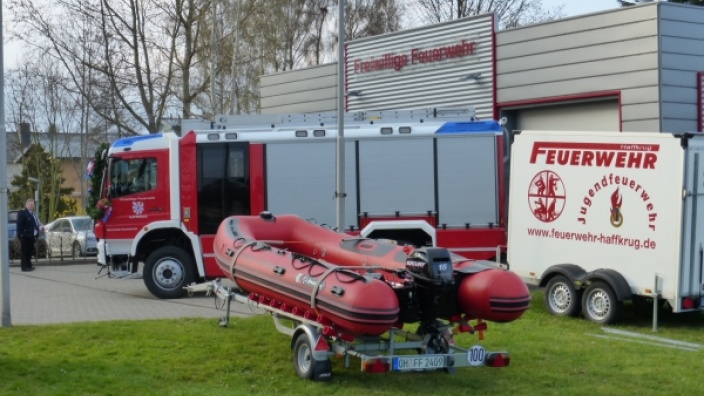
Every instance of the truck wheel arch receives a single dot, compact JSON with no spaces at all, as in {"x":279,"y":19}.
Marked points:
{"x":582,"y":279}
{"x":572,"y":272}
{"x":614,"y":279}
{"x":156,"y":238}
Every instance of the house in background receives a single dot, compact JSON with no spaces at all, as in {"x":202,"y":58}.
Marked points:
{"x":73,"y":150}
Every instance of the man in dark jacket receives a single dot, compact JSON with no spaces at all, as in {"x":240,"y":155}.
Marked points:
{"x":28,"y":228}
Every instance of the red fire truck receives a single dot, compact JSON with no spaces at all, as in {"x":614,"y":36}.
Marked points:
{"x":429,"y":178}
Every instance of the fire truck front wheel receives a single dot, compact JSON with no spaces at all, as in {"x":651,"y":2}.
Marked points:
{"x":167,"y":271}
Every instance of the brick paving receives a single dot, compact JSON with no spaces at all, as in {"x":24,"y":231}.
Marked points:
{"x":64,"y":292}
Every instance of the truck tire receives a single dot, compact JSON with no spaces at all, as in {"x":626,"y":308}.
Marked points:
{"x":306,"y":367}
{"x":600,"y":305}
{"x":561,"y":297}
{"x":167,"y":271}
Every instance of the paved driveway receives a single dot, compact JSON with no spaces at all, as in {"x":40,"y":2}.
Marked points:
{"x":71,"y":293}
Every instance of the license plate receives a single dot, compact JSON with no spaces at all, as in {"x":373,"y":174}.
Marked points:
{"x":417,"y":363}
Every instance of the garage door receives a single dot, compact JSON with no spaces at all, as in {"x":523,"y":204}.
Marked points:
{"x":591,"y":116}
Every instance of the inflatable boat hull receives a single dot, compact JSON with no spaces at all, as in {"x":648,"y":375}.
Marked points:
{"x":352,"y":302}
{"x":283,"y":258}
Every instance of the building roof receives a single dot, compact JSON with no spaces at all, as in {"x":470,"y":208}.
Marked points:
{"x":64,"y":145}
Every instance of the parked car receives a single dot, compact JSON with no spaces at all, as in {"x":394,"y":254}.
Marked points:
{"x":71,"y":236}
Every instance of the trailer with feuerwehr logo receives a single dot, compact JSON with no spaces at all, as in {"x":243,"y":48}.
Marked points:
{"x":600,"y":218}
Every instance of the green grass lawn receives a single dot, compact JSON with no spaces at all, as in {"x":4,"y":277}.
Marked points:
{"x":549,"y":356}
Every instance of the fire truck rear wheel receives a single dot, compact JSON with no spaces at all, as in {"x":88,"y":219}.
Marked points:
{"x":600,"y":304}
{"x":561,"y":297}
{"x":167,"y":271}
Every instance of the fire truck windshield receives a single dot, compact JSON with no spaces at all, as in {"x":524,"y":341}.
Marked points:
{"x":131,"y":176}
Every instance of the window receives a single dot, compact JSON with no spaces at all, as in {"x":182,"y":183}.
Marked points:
{"x":132,"y":176}
{"x":56,"y":227}
{"x":223,"y":183}
{"x":83,"y":224}
{"x":235,"y":163}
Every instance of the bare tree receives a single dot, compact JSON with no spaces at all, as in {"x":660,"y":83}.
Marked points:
{"x":244,"y":23}
{"x":365,"y":18}
{"x":22,"y":90}
{"x":37,"y":97}
{"x":510,"y":13}
{"x":127,"y":49}
{"x":130,"y":63}
{"x":188,"y":21}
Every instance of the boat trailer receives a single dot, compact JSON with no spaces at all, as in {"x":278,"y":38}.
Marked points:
{"x":314,"y":342}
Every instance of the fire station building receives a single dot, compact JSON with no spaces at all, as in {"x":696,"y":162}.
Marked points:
{"x":630,"y":69}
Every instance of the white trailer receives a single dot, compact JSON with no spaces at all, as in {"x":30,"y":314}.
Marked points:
{"x":599,"y":218}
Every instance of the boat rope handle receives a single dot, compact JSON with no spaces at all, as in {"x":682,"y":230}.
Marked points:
{"x":330,"y":270}
{"x":237,"y":255}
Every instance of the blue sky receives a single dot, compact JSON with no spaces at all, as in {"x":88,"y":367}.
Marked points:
{"x":571,"y":8}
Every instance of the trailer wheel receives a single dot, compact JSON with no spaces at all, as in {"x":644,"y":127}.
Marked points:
{"x":167,"y":271}
{"x":306,"y":367}
{"x":561,"y":297}
{"x":600,"y":304}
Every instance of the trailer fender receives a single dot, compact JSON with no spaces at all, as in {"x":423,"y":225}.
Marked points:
{"x":617,"y":282}
{"x":313,"y":334}
{"x":572,"y":272}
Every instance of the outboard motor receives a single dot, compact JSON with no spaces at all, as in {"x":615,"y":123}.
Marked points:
{"x":432,"y":265}
{"x":432,"y":273}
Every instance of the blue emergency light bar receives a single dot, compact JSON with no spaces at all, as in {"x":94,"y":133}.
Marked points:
{"x":470,"y":126}
{"x":129,"y":141}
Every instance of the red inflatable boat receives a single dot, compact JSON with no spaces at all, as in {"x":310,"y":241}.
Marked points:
{"x":360,"y":286}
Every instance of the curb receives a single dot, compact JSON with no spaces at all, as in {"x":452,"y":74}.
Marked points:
{"x":56,"y":262}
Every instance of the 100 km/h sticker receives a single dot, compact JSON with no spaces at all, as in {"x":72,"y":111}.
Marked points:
{"x":476,"y":356}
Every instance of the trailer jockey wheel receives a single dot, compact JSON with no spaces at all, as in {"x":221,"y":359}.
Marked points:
{"x":434,"y":337}
{"x":436,"y":344}
{"x":306,"y":367}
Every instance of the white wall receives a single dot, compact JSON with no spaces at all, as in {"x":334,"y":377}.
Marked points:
{"x":438,"y":83}
{"x":308,"y":90}
{"x":441,"y":83}
{"x":682,"y":56}
{"x":613,"y":51}
{"x":590,"y":116}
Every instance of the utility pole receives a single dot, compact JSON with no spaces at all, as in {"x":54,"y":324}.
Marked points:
{"x":4,"y":254}
{"x":340,"y":187}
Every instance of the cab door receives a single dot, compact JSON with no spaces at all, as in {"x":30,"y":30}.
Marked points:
{"x":55,"y":238}
{"x":138,"y":191}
